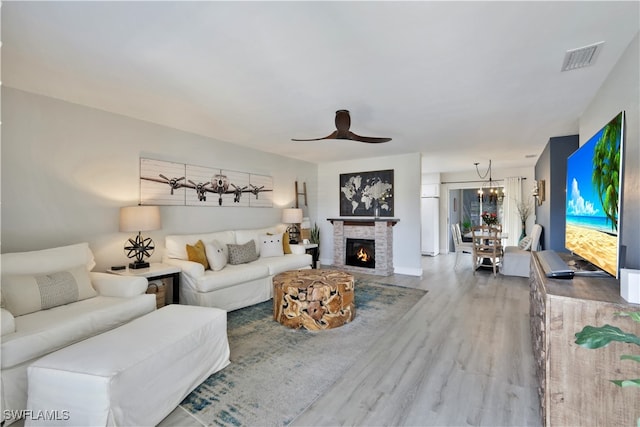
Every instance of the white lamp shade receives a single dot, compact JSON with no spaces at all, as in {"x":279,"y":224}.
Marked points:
{"x":305,"y":223}
{"x":292,"y":216}
{"x":140,"y":218}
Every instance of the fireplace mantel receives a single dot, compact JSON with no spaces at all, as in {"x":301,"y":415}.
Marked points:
{"x":380,"y":230}
{"x":364,"y":221}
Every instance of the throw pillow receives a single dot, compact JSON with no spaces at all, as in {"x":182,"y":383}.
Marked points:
{"x":240,"y":254}
{"x":286,"y":247}
{"x":271,"y":245}
{"x":216,"y":255}
{"x":197,"y":253}
{"x":26,"y":294}
{"x":525,"y":243}
{"x":285,"y":243}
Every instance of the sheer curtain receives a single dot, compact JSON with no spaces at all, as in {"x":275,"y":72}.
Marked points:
{"x":511,"y":218}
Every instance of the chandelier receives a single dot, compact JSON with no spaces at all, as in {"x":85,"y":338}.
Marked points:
{"x":493,"y":192}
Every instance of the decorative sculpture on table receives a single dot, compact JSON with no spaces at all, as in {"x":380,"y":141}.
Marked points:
{"x":139,"y":218}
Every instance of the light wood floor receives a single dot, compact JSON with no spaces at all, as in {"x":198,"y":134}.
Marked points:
{"x":461,"y":356}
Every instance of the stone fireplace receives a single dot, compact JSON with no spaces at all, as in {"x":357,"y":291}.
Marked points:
{"x":373,"y":236}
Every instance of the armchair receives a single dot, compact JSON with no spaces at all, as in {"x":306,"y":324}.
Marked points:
{"x":517,"y":258}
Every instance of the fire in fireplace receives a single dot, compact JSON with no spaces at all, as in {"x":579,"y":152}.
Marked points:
{"x":361,"y":253}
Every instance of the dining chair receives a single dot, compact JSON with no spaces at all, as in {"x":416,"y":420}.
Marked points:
{"x":487,"y":245}
{"x":460,"y":246}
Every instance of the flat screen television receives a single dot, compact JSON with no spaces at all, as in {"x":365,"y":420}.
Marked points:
{"x":594,"y":183}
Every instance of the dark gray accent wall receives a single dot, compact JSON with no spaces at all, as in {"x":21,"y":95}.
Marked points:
{"x":552,"y":168}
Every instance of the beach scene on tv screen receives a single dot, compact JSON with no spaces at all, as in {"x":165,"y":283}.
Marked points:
{"x":593,"y":183}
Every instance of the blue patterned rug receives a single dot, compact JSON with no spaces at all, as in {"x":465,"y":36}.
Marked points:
{"x":277,"y":372}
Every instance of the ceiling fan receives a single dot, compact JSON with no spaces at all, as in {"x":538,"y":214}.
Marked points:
{"x":343,"y":122}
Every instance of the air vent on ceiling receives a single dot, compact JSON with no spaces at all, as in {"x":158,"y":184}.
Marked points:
{"x":581,"y":57}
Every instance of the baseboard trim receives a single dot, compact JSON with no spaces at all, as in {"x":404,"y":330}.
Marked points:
{"x":396,"y":270}
{"x":408,"y":271}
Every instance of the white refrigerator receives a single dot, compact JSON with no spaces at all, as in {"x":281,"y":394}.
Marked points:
{"x":430,"y":221}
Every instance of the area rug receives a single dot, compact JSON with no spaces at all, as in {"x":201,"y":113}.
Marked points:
{"x":277,"y":372}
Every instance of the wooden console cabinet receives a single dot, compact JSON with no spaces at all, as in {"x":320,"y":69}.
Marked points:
{"x":574,"y":386}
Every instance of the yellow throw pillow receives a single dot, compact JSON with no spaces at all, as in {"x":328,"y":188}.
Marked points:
{"x":196,"y":253}
{"x":285,"y":243}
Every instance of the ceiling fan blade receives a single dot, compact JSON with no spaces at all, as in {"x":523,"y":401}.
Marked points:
{"x":332,"y":136}
{"x":343,"y":123}
{"x":368,"y":139}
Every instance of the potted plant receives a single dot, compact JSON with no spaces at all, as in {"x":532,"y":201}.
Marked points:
{"x":314,"y":237}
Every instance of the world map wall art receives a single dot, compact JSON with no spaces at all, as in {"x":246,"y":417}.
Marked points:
{"x":178,"y":184}
{"x":367,"y":193}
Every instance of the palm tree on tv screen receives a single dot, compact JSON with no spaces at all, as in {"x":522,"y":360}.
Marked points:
{"x":606,"y":169}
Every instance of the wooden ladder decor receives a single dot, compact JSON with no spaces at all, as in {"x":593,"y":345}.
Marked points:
{"x":304,"y":193}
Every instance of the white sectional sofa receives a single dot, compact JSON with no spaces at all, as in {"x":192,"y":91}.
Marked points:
{"x":227,"y":285}
{"x":50,"y":300}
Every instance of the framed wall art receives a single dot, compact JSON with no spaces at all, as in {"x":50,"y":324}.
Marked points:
{"x":168,"y":183}
{"x":162,"y":183}
{"x":367,"y":193}
{"x":261,"y":189}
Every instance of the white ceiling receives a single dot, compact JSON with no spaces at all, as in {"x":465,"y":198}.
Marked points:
{"x":460,"y":82}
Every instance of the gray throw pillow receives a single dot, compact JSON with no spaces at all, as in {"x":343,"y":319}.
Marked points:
{"x":24,"y":294}
{"x":241,"y":254}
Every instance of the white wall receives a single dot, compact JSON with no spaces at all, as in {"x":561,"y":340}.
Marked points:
{"x":67,"y":169}
{"x":406,"y":233}
{"x":621,"y":91}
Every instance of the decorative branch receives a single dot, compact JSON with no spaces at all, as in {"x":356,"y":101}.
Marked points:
{"x":525,"y":209}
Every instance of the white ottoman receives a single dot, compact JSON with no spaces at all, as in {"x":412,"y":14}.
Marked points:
{"x":515,"y":262}
{"x":134,"y":375}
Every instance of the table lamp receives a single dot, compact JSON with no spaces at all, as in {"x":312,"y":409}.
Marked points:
{"x":293,"y":217}
{"x":139,"y":218}
{"x":305,"y":230}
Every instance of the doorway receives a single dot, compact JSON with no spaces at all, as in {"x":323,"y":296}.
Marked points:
{"x":466,"y":206}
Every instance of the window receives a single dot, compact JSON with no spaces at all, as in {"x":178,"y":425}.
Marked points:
{"x":475,"y":201}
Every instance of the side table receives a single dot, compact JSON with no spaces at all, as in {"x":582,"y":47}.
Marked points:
{"x":156,"y":271}
{"x":311,"y":249}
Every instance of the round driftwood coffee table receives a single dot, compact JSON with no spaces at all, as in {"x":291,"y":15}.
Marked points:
{"x":313,"y":299}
